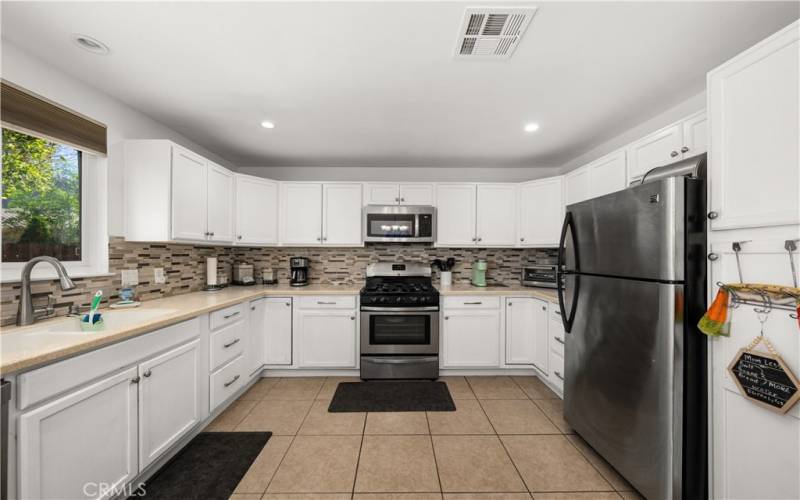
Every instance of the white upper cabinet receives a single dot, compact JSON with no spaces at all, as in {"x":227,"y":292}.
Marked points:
{"x":189,"y":196}
{"x":385,"y":193}
{"x":496,"y":215}
{"x":753,"y":106}
{"x":341,"y":222}
{"x":301,"y":213}
{"x":577,"y":186}
{"x":695,"y":135}
{"x":256,"y":211}
{"x":608,"y":174}
{"x":455,"y":207}
{"x":416,"y":194}
{"x":541,"y":211}
{"x":220,"y":203}
{"x":655,"y":150}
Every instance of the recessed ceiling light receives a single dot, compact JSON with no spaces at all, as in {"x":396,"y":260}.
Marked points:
{"x":267,"y":124}
{"x":90,"y":44}
{"x":531,"y":127}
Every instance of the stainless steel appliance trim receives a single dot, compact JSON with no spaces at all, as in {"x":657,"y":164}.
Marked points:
{"x":395,"y":360}
{"x":400,"y":367}
{"x":430,"y":348}
{"x":386,"y":269}
{"x":399,"y":309}
{"x":399,"y":209}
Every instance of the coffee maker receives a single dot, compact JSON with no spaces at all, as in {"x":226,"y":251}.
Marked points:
{"x":298,"y":267}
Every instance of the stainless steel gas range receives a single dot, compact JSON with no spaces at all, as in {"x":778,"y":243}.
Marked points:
{"x":399,"y":323}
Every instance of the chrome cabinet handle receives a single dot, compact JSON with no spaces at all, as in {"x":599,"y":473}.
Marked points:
{"x":232,"y":342}
{"x":674,"y":154}
{"x":712,"y":256}
{"x":558,"y":312}
{"x":474,"y":238}
{"x":288,"y":304}
{"x":684,"y":149}
{"x":352,"y":317}
{"x":252,"y":308}
{"x":207,"y":234}
{"x":713,"y":215}
{"x":234,"y":379}
{"x":229,"y":316}
{"x":319,"y":238}
{"x":324,"y":238}
{"x":544,"y":308}
{"x":480,"y":239}
{"x":135,"y":380}
{"x":556,"y":372}
{"x":147,"y":373}
{"x":239,"y":237}
{"x":510,"y":304}
{"x":447,"y":317}
{"x":473,"y":303}
{"x":321,"y":303}
{"x":559,"y":340}
{"x":402,"y":199}
{"x":397,"y":199}
{"x":522,"y":239}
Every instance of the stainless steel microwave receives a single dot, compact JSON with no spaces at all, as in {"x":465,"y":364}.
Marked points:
{"x":399,"y":223}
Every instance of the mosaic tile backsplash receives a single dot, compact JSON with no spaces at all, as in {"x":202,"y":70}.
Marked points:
{"x":184,"y":266}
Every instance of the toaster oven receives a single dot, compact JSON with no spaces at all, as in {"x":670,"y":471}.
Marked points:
{"x":540,"y":275}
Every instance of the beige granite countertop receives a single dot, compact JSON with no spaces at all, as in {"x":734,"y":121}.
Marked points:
{"x":516,"y":290}
{"x":48,"y":341}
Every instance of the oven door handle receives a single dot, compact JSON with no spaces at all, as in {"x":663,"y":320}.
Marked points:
{"x":402,"y":361}
{"x":399,"y":309}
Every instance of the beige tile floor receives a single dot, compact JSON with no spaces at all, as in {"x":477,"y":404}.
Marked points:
{"x":507,"y":440}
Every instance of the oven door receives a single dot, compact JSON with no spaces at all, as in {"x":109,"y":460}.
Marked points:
{"x":401,"y":330}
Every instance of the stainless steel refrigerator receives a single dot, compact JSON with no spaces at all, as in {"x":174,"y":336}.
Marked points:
{"x":632,"y":267}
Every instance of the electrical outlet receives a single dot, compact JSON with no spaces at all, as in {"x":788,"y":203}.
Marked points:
{"x":158,"y":276}
{"x":129,"y":277}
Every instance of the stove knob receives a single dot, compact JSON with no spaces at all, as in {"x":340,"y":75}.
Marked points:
{"x":382,"y":299}
{"x":398,"y":299}
{"x":413,"y":299}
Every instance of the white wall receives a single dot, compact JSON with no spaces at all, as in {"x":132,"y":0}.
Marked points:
{"x":123,"y":122}
{"x":671,"y":115}
{"x":395,"y":174}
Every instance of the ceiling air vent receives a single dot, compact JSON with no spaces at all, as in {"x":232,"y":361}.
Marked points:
{"x":492,"y":32}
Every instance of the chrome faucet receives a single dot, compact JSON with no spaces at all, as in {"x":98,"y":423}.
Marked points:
{"x":26,"y":315}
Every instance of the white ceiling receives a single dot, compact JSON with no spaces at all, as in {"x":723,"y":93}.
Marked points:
{"x":376,"y":83}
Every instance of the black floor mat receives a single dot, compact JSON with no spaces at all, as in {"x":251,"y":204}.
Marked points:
{"x":209,"y":467}
{"x":391,"y":396}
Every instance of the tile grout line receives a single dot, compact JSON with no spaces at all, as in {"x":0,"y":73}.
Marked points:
{"x":358,"y":458}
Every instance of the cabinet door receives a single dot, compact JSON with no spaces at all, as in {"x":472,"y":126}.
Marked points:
{"x":608,"y":174}
{"x":189,"y":195}
{"x":416,"y":194}
{"x":577,"y":186}
{"x":521,"y":331}
{"x":256,"y":211}
{"x":327,"y":339}
{"x":655,"y":150}
{"x":257,"y":336}
{"x":380,"y":193}
{"x":497,"y":215}
{"x":278,"y":331}
{"x":695,"y":135}
{"x":541,"y":211}
{"x":220,"y":203}
{"x":471,"y":339}
{"x":455,"y":212}
{"x":341,"y":214}
{"x":169,"y":400}
{"x":755,"y":131}
{"x":301,"y":213}
{"x":86,"y":436}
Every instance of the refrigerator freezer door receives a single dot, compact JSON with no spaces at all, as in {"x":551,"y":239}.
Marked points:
{"x":634,"y":233}
{"x":623,"y":380}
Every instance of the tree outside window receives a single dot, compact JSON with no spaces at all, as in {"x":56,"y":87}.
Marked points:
{"x":41,"y":199}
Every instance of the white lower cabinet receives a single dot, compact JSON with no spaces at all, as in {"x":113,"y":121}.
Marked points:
{"x":526,"y":332}
{"x":277,"y":331}
{"x":85,"y":437}
{"x":327,"y":337}
{"x":470,"y":337}
{"x":226,"y":381}
{"x":257,"y":327}
{"x":169,"y":400}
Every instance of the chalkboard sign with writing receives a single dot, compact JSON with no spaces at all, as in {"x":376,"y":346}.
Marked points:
{"x":765,"y":379}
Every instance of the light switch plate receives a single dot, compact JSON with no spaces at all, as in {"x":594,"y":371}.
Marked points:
{"x":130,"y":277}
{"x":158,"y":276}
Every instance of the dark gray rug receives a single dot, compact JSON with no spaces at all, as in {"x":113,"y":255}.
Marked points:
{"x":379,"y":396}
{"x":209,"y":467}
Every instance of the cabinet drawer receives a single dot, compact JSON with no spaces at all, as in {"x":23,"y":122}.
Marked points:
{"x":475,"y":302}
{"x":557,"y":337}
{"x":218,"y":319}
{"x":328,"y":302}
{"x":557,"y":370}
{"x":555,"y":311}
{"x":226,"y":381}
{"x":226,"y":344}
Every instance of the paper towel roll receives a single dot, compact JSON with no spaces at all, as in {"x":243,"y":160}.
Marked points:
{"x":211,"y":271}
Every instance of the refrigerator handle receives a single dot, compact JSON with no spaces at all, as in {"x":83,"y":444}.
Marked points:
{"x":560,"y":272}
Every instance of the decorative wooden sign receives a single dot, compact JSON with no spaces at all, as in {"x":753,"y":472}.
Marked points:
{"x":764,"y":378}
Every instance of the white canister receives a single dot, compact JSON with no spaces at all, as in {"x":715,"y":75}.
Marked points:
{"x":445,"y":278}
